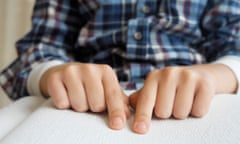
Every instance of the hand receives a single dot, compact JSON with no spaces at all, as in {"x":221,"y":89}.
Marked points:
{"x":179,"y":91}
{"x":86,"y":87}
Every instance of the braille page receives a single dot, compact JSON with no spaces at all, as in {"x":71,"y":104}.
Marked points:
{"x":13,"y":114}
{"x":48,"y":125}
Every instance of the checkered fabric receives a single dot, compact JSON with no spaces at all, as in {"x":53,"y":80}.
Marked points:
{"x":133,"y":36}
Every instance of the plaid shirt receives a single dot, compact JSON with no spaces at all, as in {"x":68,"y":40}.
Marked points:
{"x":133,"y":36}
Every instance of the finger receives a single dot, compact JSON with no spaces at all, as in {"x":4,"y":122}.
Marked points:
{"x":126,"y":104}
{"x":144,"y":106}
{"x":95,"y":94}
{"x":165,"y":97}
{"x":76,"y":92}
{"x":58,"y":92}
{"x":115,"y":102}
{"x":133,"y":99}
{"x":184,"y":97}
{"x":202,"y":100}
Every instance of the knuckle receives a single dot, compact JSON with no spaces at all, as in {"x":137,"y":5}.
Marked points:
{"x":170,"y":73}
{"x":152,"y":74}
{"x":106,"y":68}
{"x":89,"y":69}
{"x":107,"y":71}
{"x":189,"y":74}
{"x":69,"y":70}
{"x":170,"y":70}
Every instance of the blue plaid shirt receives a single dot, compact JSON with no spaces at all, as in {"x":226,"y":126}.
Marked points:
{"x":133,"y":36}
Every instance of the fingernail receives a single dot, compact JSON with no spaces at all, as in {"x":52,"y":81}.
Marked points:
{"x":117,"y":122}
{"x":140,"y":127}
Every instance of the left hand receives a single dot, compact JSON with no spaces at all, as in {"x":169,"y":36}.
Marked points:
{"x":180,"y":91}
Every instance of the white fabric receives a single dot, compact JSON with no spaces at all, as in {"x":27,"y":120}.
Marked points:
{"x":47,"y":125}
{"x":233,"y":62}
{"x":35,"y":75}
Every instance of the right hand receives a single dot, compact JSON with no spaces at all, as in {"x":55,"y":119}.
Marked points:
{"x":86,"y":87}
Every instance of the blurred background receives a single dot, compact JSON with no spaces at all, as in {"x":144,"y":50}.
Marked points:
{"x":15,"y":16}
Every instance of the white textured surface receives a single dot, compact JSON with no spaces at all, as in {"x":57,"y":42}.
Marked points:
{"x":15,"y":113}
{"x":50,"y":126}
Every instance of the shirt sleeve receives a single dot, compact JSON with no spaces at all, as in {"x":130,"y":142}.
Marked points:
{"x":55,"y":28}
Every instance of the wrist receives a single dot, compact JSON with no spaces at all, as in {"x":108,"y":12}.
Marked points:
{"x":232,"y":63}
{"x":33,"y":81}
{"x":224,"y":79}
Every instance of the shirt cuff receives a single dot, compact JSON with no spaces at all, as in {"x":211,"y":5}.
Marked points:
{"x":233,"y":62}
{"x":35,"y":75}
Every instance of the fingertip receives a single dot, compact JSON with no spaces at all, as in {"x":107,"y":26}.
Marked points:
{"x":117,"y":123}
{"x":117,"y":106}
{"x":141,"y":124}
{"x":140,"y":127}
{"x":117,"y":119}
